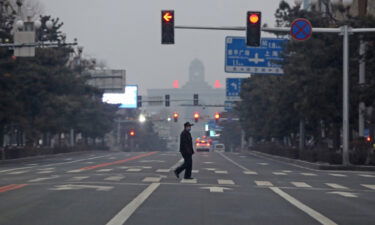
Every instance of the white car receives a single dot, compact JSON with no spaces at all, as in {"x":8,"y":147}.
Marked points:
{"x":219,"y":148}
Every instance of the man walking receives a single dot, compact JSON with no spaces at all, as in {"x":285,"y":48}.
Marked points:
{"x":187,"y":151}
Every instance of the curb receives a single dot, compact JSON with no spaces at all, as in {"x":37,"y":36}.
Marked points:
{"x":316,"y":166}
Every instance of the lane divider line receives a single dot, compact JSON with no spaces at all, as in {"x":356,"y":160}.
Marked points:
{"x":118,"y":162}
{"x":11,"y":187}
{"x":309,"y":211}
{"x":128,"y":210}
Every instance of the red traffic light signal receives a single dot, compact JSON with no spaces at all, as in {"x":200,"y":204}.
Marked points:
{"x":217,"y":116}
{"x":132,"y":133}
{"x":196,"y":117}
{"x":253,"y":28}
{"x":167,"y":27}
{"x":175,"y":117}
{"x":368,"y":139}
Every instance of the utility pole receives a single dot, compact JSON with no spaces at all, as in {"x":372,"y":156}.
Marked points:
{"x":362,"y":11}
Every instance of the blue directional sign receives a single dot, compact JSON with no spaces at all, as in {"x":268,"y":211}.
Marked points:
{"x":234,"y":87}
{"x":229,"y":105}
{"x":239,"y":58}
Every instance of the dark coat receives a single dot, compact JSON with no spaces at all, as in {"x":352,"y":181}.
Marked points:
{"x":186,"y":143}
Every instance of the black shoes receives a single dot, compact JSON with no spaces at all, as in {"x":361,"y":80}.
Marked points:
{"x":177,"y":175}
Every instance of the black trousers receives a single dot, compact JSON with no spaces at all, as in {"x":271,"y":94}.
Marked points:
{"x":187,"y":166}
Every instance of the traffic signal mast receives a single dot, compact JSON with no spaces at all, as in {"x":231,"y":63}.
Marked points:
{"x":167,"y":27}
{"x":196,"y":117}
{"x":253,"y":28}
{"x":175,"y":117}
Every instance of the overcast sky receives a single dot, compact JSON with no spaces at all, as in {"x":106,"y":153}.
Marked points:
{"x":126,"y":34}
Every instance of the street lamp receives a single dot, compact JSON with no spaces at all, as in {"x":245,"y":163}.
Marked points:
{"x":142,"y":118}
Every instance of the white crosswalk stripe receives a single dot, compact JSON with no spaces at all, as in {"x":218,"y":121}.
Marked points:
{"x":79,"y":178}
{"x":337,"y":175}
{"x":366,"y":175}
{"x":114,"y":178}
{"x":163,"y":171}
{"x":225,"y":182}
{"x":221,"y":172}
{"x":250,"y":172}
{"x":336,"y":186}
{"x":309,"y":174}
{"x":134,"y":170}
{"x":279,"y":174}
{"x":152,"y":179}
{"x":301,"y":184}
{"x":286,"y":171}
{"x":195,"y":171}
{"x":74,"y":171}
{"x":123,"y":167}
{"x":104,"y":170}
{"x":370,"y":186}
{"x":263,"y":183}
{"x":210,"y":169}
{"x":45,"y":172}
{"x":43,"y":179}
{"x":18,"y":172}
{"x":188,"y":181}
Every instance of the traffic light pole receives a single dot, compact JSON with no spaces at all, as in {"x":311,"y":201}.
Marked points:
{"x":345,"y":31}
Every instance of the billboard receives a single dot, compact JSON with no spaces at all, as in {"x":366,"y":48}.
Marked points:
{"x":127,"y":100}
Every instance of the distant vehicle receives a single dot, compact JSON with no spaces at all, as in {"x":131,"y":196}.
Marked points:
{"x":203,"y":145}
{"x":219,"y":148}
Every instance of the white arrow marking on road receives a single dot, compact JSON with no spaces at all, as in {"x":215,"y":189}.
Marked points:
{"x":256,"y":59}
{"x":44,"y":178}
{"x":80,"y":187}
{"x":216,"y":189}
{"x":344,"y":194}
{"x":370,"y":186}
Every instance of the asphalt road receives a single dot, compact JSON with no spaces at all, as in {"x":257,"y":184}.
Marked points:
{"x":113,"y":188}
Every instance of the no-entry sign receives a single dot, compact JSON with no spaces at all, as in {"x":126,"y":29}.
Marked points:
{"x":301,"y":29}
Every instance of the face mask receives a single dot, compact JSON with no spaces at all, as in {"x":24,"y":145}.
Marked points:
{"x":188,"y":128}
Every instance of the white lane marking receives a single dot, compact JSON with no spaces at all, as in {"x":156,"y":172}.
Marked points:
{"x":344,"y":194}
{"x":309,"y":174}
{"x":370,"y":186}
{"x":301,"y":184}
{"x":366,"y":175}
{"x":250,"y":172}
{"x":50,"y":168}
{"x":225,"y":182}
{"x":146,"y":167}
{"x":123,"y":167}
{"x":177,"y":164}
{"x":286,"y":171}
{"x":309,"y":211}
{"x":216,"y":189}
{"x":263,"y":164}
{"x":208,"y":162}
{"x":46,"y":172}
{"x":163,"y":171}
{"x":336,"y":186}
{"x":20,"y":168}
{"x":337,"y":175}
{"x":89,"y":162}
{"x":210,"y":169}
{"x":279,"y":174}
{"x":263,"y":183}
{"x":134,"y":170}
{"x":43,"y":178}
{"x":128,"y":210}
{"x":19,"y":172}
{"x":104,"y":170}
{"x":221,"y":171}
{"x":189,"y":181}
{"x":195,"y":171}
{"x":151,"y":161}
{"x":152,"y":179}
{"x":230,"y":160}
{"x":79,"y":178}
{"x":114,"y":178}
{"x":66,"y":187}
{"x":80,"y":160}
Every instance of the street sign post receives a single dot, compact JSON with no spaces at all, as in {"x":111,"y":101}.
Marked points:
{"x":239,"y":58}
{"x":233,"y":87}
{"x":301,"y":29}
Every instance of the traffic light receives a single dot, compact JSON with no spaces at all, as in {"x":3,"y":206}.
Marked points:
{"x":196,"y":117}
{"x":167,"y":100}
{"x":132,"y":133}
{"x":167,"y":27}
{"x":217,"y":117}
{"x":196,"y":99}
{"x":253,"y":28}
{"x":139,"y":101}
{"x":175,"y":117}
{"x":368,"y":139}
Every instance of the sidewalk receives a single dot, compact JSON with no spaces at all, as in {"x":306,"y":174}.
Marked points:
{"x":316,"y":166}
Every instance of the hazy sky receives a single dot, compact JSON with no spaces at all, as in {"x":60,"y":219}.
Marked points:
{"x":126,"y":34}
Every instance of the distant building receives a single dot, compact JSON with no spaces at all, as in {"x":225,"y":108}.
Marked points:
{"x":182,"y":101}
